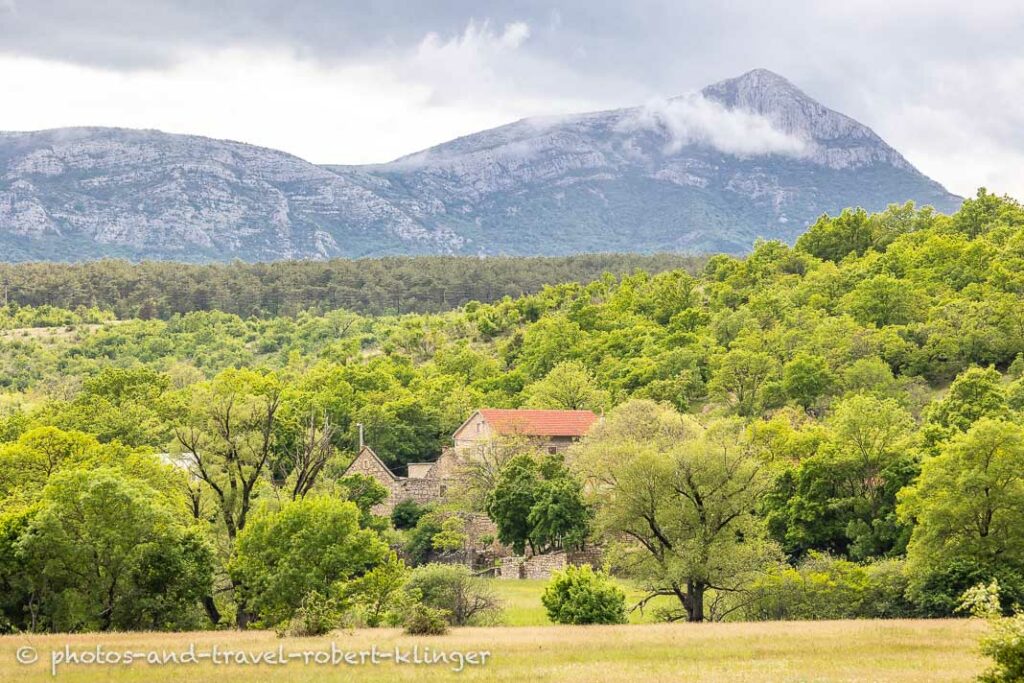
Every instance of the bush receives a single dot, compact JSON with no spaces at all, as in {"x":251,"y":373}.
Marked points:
{"x":420,"y":541}
{"x":579,"y":595}
{"x":426,"y":621}
{"x":452,"y":588}
{"x":407,"y":513}
{"x":379,"y":593}
{"x":1005,"y":642}
{"x":452,"y":537}
{"x":1005,"y":645}
{"x":937,"y":593}
{"x":317,"y":615}
{"x":825,"y":587}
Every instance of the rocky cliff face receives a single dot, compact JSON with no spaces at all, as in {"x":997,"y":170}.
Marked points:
{"x":146,"y":193}
{"x":745,"y":158}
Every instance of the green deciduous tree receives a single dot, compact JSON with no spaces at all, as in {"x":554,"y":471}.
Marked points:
{"x":538,"y":503}
{"x":227,"y":431}
{"x":311,"y":544}
{"x":884,"y":300}
{"x":104,"y":551}
{"x":676,"y":499}
{"x":968,"y":507}
{"x":741,"y":377}
{"x":842,"y":499}
{"x":569,"y":386}
{"x":511,"y":500}
{"x":807,"y":378}
{"x":832,"y":239}
{"x":974,"y":394}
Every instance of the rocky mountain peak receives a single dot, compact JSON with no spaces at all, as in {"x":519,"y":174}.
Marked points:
{"x":839,"y":141}
{"x":757,"y":90}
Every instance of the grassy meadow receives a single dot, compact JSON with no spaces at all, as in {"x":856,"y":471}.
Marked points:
{"x":526,"y":646}
{"x":864,"y":650}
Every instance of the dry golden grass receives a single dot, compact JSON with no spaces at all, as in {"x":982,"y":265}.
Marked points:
{"x":906,"y":651}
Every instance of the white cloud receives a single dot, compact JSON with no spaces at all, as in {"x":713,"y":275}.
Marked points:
{"x":469,"y":66}
{"x":515,"y":34}
{"x":960,"y":129}
{"x":325,"y":113}
{"x":940,"y":82}
{"x":693,"y":119}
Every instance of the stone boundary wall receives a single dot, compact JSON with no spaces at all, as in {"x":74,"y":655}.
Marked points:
{"x":542,"y":566}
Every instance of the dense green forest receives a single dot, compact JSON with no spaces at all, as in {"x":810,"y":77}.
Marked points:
{"x":827,"y":430}
{"x":419,"y":284}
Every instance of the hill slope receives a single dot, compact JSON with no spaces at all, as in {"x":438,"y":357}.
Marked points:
{"x":747,"y":157}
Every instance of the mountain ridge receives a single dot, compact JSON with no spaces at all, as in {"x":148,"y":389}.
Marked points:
{"x":748,"y":157}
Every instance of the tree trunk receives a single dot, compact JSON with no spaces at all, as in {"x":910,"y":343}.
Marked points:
{"x":211,"y":610}
{"x":695,"y":602}
{"x":243,"y":615}
{"x":243,"y":618}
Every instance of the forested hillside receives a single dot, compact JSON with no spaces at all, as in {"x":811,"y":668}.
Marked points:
{"x":867,"y":381}
{"x":417,"y":284}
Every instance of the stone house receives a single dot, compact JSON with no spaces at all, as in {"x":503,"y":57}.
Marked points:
{"x":428,"y":482}
{"x":553,"y":430}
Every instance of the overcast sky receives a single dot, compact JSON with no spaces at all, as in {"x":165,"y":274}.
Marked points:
{"x":357,"y":82}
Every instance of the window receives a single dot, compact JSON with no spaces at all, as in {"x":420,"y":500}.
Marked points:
{"x":552,"y":450}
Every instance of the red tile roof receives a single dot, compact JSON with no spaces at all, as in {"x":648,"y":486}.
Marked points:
{"x":539,"y":422}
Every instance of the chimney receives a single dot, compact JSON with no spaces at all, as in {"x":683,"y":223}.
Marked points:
{"x":360,"y":425}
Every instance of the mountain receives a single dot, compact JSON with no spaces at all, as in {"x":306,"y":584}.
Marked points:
{"x":76,"y":193}
{"x":745,"y":158}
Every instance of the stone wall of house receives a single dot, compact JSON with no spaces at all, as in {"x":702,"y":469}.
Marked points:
{"x":422,"y":491}
{"x":370,"y":466}
{"x":447,"y":465}
{"x":419,"y":470}
{"x":479,"y":525}
{"x":475,"y":431}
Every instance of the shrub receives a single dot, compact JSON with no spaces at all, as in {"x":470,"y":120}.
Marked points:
{"x":452,"y":537}
{"x":316,"y":616}
{"x":1005,"y":642}
{"x":1005,"y":645}
{"x":379,"y":593}
{"x":1016,"y":369}
{"x":407,"y":513}
{"x":825,"y":587}
{"x":937,"y":591}
{"x":420,"y":541}
{"x":579,"y":595}
{"x":426,"y":621}
{"x":453,"y":588}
